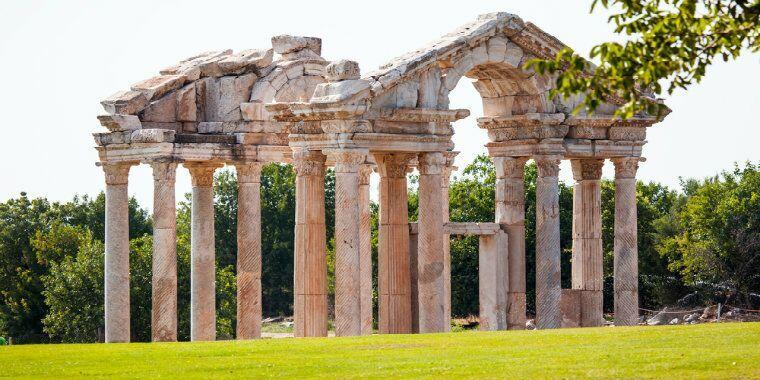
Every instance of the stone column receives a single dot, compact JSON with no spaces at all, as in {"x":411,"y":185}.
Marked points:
{"x":510,"y":212}
{"x":393,"y":271}
{"x":117,"y":252}
{"x":249,"y":250}
{"x":626,"y":266}
{"x":202,"y":253}
{"x":548,"y":281}
{"x":587,"y":272}
{"x":492,"y":287}
{"x":348,"y":309}
{"x":430,"y":258}
{"x":445,"y":181}
{"x":365,"y":250}
{"x":164,"y":289}
{"x":310,"y":269}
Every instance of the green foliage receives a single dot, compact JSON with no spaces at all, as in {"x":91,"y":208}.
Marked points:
{"x":669,"y":41}
{"x":716,"y":237}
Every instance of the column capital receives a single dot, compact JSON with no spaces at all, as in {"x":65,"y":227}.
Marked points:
{"x":309,"y":162}
{"x":117,"y":173}
{"x":248,"y":172}
{"x":164,"y":171}
{"x":548,"y":165}
{"x":347,"y":160}
{"x":431,"y":163}
{"x":587,"y":169}
{"x":626,"y":167}
{"x":365,"y":171}
{"x":393,"y":165}
{"x":202,"y":173}
{"x":509,"y":167}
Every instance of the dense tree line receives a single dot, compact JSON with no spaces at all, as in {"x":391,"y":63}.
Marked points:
{"x":702,"y":242}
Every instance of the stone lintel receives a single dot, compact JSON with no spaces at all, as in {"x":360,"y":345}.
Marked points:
{"x":526,"y":120}
{"x":610,"y":121}
{"x":377,"y":142}
{"x":182,"y":152}
{"x":300,"y":111}
{"x":418,"y":115}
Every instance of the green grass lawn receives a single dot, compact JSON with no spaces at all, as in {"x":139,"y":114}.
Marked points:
{"x":710,"y":351}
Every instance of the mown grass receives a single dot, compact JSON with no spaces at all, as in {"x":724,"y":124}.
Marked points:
{"x":709,"y":351}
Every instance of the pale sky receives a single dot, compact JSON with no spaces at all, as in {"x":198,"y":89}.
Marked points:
{"x":60,"y":58}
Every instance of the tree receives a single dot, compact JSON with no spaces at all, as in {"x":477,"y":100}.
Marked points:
{"x":717,"y":243}
{"x":671,"y":42}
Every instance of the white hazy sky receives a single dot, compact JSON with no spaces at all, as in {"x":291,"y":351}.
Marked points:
{"x":59,"y":58}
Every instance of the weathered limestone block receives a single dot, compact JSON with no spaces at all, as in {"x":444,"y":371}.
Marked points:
{"x":314,"y":68}
{"x":224,"y":95}
{"x":342,"y":70}
{"x":187,"y":109}
{"x":284,"y":44}
{"x":156,"y":87}
{"x":570,"y":305}
{"x":343,"y":91}
{"x":492,"y":281}
{"x":118,"y":122}
{"x":153,"y":135}
{"x":163,"y":110}
{"x":125,"y":102}
{"x":262,"y":92}
{"x":245,"y":61}
{"x":190,"y":67}
{"x":513,"y":55}
{"x":102,"y":139}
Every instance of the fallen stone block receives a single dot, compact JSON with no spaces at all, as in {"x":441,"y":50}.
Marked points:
{"x":125,"y":102}
{"x":284,"y":44}
{"x":156,"y":87}
{"x":342,"y":70}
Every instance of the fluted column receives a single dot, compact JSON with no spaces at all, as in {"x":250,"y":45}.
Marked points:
{"x":249,"y":250}
{"x":202,"y":253}
{"x":548,"y":281}
{"x":626,"y":266}
{"x":510,"y":212}
{"x":393,"y":271}
{"x":117,"y":252}
{"x":430,"y":259}
{"x":365,"y":250}
{"x":310,"y":269}
{"x":587,"y":273}
{"x":445,"y":181}
{"x":164,"y":289}
{"x":348,"y":314}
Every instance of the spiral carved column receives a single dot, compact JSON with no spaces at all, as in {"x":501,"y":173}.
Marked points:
{"x":117,"y":252}
{"x":347,"y":241}
{"x":202,"y":253}
{"x":430,"y":259}
{"x":310,"y":269}
{"x":548,"y":281}
{"x":626,"y":266}
{"x":249,"y":250}
{"x":164,"y":289}
{"x":365,"y":250}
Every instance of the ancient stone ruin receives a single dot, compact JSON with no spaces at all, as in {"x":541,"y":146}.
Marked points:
{"x":288,"y":104}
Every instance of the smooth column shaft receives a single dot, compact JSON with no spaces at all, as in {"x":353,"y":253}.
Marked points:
{"x":164,"y":289}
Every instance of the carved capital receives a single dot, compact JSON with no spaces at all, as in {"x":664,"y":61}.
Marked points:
{"x":626,"y":167}
{"x":431,"y":163}
{"x":202,"y":173}
{"x":117,"y":173}
{"x":548,"y":166}
{"x":393,"y":165}
{"x":347,"y":160}
{"x":510,"y":167}
{"x":164,"y":171}
{"x":364,"y":172}
{"x":248,"y":172}
{"x":590,"y":169}
{"x":307,"y":162}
